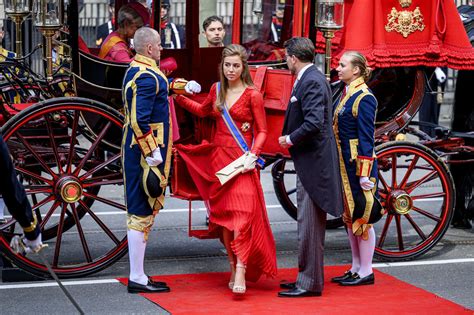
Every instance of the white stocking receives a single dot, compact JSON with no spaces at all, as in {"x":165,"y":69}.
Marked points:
{"x":366,"y":250}
{"x":355,"y":251}
{"x":136,"y":255}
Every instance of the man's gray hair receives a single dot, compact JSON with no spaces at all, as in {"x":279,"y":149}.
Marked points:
{"x":144,"y":36}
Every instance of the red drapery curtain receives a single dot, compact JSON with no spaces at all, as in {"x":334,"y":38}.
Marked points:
{"x":442,"y":42}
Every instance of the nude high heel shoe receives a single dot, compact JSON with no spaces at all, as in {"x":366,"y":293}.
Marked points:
{"x":232,"y":269}
{"x":239,"y":289}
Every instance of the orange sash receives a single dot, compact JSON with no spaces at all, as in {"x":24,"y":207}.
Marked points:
{"x":105,"y":48}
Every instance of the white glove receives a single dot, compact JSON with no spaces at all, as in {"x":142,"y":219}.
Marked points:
{"x":22,"y":245}
{"x":249,"y":162}
{"x":155,"y":159}
{"x":192,"y":87}
{"x":440,"y":75}
{"x":365,"y":183}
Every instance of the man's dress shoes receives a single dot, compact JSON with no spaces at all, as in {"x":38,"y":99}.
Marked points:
{"x":357,"y":280}
{"x":296,"y":292}
{"x":346,"y":276}
{"x":150,"y":287}
{"x":288,"y":285}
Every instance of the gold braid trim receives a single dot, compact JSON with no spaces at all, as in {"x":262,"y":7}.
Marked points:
{"x":345,"y":178}
{"x":32,"y":226}
{"x":364,"y":166}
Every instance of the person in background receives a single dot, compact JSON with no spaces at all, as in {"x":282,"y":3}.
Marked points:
{"x":354,"y":126}
{"x":308,"y":135}
{"x":237,"y":208}
{"x":116,"y":46}
{"x":213,"y":30}
{"x":108,"y":27}
{"x":172,"y":36}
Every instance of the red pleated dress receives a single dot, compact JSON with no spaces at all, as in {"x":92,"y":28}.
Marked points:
{"x":238,"y":204}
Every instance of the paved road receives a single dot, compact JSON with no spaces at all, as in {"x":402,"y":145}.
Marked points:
{"x":446,"y":270}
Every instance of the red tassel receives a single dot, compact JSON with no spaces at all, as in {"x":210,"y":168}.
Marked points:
{"x":434,"y":47}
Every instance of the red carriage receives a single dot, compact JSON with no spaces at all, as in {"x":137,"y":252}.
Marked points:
{"x":67,"y":149}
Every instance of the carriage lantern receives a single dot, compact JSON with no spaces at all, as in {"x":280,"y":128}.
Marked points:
{"x":329,"y":19}
{"x":47,"y":14}
{"x":17,"y":10}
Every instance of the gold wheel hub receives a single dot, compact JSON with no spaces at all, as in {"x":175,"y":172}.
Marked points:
{"x":401,"y":202}
{"x":70,"y":190}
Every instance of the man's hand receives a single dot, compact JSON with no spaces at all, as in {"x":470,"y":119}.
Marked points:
{"x":22,"y":245}
{"x":249,"y":162}
{"x":283,"y":143}
{"x":365,"y":183}
{"x":192,"y":87}
{"x":155,"y":159}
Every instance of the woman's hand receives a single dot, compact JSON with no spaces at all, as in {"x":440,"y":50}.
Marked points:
{"x":249,"y":162}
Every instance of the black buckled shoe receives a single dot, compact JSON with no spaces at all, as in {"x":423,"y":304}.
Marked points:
{"x":156,"y":283}
{"x":134,"y":287}
{"x":296,"y":292}
{"x":346,"y":276}
{"x":288,"y":285}
{"x":357,"y":280}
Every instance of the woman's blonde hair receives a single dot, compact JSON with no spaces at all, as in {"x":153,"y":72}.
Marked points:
{"x":232,"y":50}
{"x":359,"y":60}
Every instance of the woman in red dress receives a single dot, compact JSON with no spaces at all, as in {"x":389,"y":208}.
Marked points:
{"x":237,"y":208}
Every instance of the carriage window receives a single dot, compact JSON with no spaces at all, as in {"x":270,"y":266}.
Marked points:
{"x":215,"y":20}
{"x":173,"y":24}
{"x":262,"y":27}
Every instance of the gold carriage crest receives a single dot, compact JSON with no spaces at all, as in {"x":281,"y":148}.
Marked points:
{"x":405,"y":22}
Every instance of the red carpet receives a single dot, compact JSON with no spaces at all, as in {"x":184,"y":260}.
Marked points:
{"x":207,"y":293}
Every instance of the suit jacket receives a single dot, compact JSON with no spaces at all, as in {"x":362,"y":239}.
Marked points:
{"x":308,"y":121}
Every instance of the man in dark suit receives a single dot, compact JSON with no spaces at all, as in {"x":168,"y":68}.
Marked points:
{"x":308,"y":135}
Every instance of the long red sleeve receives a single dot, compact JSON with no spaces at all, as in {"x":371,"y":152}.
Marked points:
{"x":198,"y":109}
{"x":260,"y":121}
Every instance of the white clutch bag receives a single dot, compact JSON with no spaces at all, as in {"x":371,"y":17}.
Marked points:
{"x":231,"y":170}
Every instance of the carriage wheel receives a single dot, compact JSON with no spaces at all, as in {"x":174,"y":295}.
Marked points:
{"x":73,"y":178}
{"x":284,"y":183}
{"x":417,"y":191}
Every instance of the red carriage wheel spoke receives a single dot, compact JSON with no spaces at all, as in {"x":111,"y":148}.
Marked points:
{"x":36,"y":155}
{"x":428,"y":177}
{"x":394,"y":171}
{"x":383,"y":195}
{"x":100,"y":223}
{"x":399,"y":232}
{"x":87,"y":252}
{"x":409,"y":171}
{"x":106,"y":201}
{"x":92,"y":148}
{"x":384,"y":232}
{"x":49,"y":214}
{"x":426,"y":196}
{"x":53,"y":145}
{"x":43,"y":202}
{"x":72,"y":141}
{"x":37,"y":189}
{"x":416,"y":227}
{"x":57,"y":248}
{"x":34,"y":175}
{"x":100,"y":166}
{"x":117,"y":181}
{"x":384,"y":183}
{"x":426,"y":214}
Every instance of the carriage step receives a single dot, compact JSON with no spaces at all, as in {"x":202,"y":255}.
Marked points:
{"x":201,"y":234}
